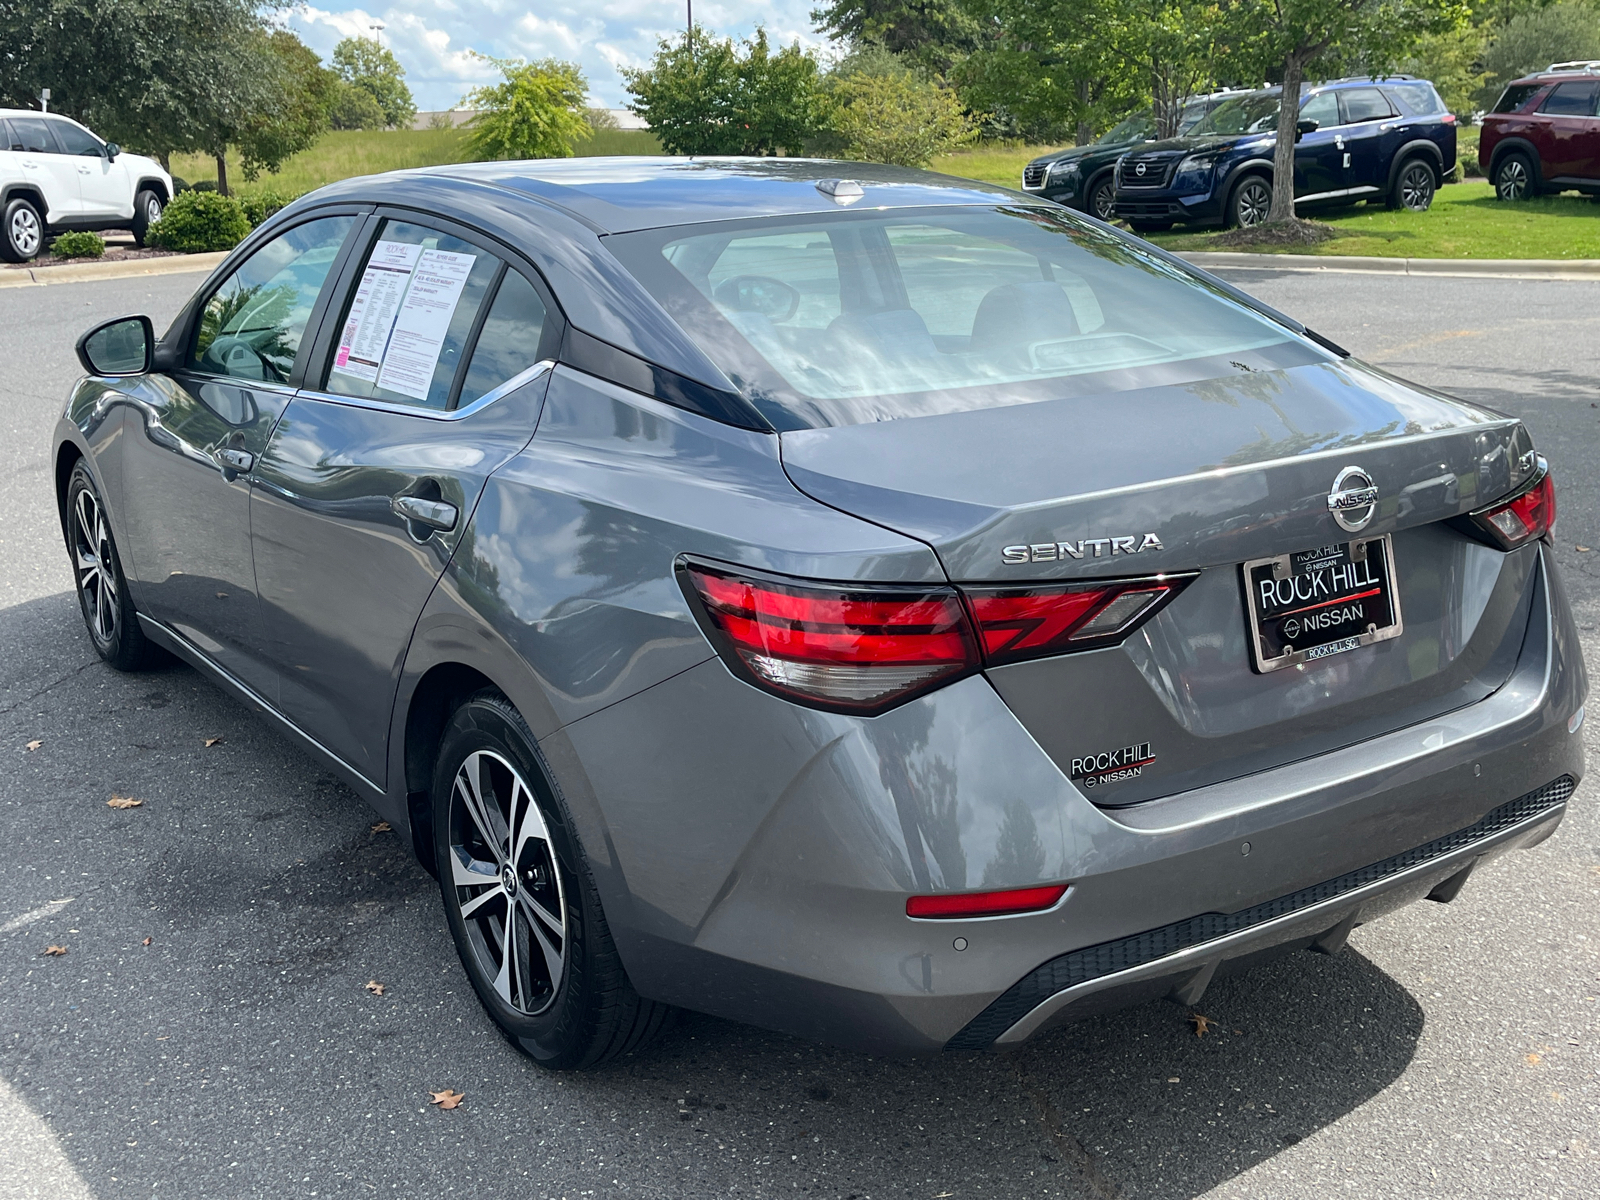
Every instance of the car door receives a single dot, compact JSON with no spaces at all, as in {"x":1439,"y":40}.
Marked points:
{"x":1317,"y":166}
{"x":53,"y":173}
{"x":430,"y":375}
{"x":103,"y":187}
{"x":1365,"y":113}
{"x":192,"y":438}
{"x":1569,"y":112}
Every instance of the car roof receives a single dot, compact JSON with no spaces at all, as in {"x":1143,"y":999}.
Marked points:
{"x":622,"y":194}
{"x":1558,"y":72}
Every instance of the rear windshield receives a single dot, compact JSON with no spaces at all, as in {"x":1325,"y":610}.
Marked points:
{"x":1515,"y":96}
{"x":870,"y":316}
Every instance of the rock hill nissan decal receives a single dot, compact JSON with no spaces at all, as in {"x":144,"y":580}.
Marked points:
{"x":1112,"y":766}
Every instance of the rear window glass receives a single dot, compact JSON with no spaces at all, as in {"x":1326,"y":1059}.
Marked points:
{"x":1515,"y":96}
{"x":873,"y":316}
{"x":1364,"y":104}
{"x":1418,"y":98}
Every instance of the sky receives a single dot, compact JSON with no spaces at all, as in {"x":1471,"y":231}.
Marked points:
{"x":433,"y":40}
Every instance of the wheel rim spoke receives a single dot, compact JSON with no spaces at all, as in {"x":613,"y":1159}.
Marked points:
{"x":495,"y":892}
{"x":509,"y":977}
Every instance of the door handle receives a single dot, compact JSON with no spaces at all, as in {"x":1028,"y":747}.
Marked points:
{"x":436,"y":514}
{"x":236,"y":460}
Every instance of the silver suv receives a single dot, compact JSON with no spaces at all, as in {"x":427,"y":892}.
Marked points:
{"x":55,"y":175}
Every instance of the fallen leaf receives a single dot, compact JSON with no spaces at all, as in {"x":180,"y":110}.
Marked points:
{"x":123,"y":802}
{"x":214,"y":741}
{"x":146,"y":942}
{"x":449,"y":1098}
{"x":1535,"y":1059}
{"x":382,"y":827}
{"x":375,"y":987}
{"x":35,"y":744}
{"x":55,"y":951}
{"x":1201,"y":1024}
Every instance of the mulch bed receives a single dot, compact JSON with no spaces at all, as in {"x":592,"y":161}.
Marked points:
{"x":118,"y":251}
{"x":1293,"y":232}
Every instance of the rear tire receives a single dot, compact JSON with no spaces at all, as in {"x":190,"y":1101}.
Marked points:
{"x":507,"y":856}
{"x":1414,"y":187}
{"x":1516,"y":178}
{"x":21,"y":231}
{"x":147,"y":210}
{"x":1250,"y":203}
{"x":103,"y":598}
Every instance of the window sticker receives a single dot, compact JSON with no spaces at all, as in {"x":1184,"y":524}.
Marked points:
{"x":401,"y":315}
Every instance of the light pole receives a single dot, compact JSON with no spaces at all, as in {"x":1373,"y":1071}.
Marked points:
{"x":377,"y":33}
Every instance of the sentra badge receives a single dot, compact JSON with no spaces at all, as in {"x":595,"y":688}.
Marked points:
{"x":1112,"y":766}
{"x":1016,"y":556}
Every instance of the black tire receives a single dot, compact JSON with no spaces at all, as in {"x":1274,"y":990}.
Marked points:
{"x":147,"y":210}
{"x":1100,"y":198}
{"x":1149,"y":226}
{"x":22,"y":231}
{"x":1251,"y":202}
{"x":1516,"y":177}
{"x":590,"y":1014}
{"x":1414,"y":186}
{"x":103,"y":598}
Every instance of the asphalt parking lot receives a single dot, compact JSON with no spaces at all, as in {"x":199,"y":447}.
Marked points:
{"x":210,"y":1032}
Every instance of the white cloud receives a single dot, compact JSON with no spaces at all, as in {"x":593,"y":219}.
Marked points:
{"x":432,"y":38}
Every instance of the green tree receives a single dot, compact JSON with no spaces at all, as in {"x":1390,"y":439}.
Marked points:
{"x":1284,"y":38}
{"x":354,"y":108}
{"x":1531,"y":41}
{"x":299,"y":112}
{"x":896,"y":117}
{"x":709,"y":95}
{"x":932,"y":35}
{"x":363,"y":63}
{"x":536,"y":112}
{"x":1453,"y":61}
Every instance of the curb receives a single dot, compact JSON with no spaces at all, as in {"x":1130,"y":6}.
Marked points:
{"x":1471,"y":268}
{"x":174,"y":264}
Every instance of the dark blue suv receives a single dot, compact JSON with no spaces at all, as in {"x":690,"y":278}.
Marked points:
{"x":1360,"y":139}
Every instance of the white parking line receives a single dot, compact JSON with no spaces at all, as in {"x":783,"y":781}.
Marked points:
{"x":38,"y":914}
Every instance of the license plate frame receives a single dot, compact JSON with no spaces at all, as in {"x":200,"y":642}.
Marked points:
{"x":1342,"y":579}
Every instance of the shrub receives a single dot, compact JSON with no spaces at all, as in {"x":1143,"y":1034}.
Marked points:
{"x":77,"y":244}
{"x":205,"y":185}
{"x":258,"y":206}
{"x":198,"y":221}
{"x":536,"y":113}
{"x":898,"y":119}
{"x":354,"y":108}
{"x":179,"y":184}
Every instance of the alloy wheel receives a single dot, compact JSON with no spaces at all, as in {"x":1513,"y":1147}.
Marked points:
{"x":1103,"y":201}
{"x":1255,"y":201}
{"x":1416,"y":187}
{"x":1513,"y":182}
{"x":25,"y":232}
{"x":507,"y":885}
{"x":152,"y":210}
{"x":97,"y":576}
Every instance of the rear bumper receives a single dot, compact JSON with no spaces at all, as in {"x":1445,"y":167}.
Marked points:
{"x":762,"y":874}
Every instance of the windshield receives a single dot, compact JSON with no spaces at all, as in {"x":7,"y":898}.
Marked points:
{"x":1134,"y":129}
{"x":1247,"y":114}
{"x":872,"y":316}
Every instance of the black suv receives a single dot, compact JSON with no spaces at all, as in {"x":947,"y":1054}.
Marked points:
{"x":1081,"y":177}
{"x":1360,"y":139}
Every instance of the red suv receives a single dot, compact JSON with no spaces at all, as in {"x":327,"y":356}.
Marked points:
{"x":1544,"y":134}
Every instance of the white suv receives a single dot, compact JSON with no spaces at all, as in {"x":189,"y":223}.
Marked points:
{"x":56,"y":175}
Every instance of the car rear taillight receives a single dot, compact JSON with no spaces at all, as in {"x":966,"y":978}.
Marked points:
{"x":862,"y":648}
{"x":1448,"y":118}
{"x":1015,"y":623}
{"x":1530,"y":514}
{"x":949,"y":905}
{"x":838,"y":646}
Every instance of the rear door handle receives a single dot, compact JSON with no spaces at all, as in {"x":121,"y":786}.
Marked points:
{"x":436,"y":514}
{"x":236,"y":460}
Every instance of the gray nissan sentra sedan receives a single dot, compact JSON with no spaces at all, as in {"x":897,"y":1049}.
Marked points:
{"x":889,"y":609}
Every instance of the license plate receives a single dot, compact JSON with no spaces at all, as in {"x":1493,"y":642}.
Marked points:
{"x":1316,"y":603}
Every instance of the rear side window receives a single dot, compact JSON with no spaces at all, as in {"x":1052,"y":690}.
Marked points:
{"x":32,"y":135}
{"x":1576,"y":99}
{"x":407,"y":321}
{"x":509,"y":342}
{"x":1364,"y":104}
{"x":74,"y":140}
{"x":1515,"y":96}
{"x":1416,"y":97}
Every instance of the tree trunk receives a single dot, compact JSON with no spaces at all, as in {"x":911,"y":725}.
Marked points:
{"x":1294,"y":69}
{"x":1085,"y":127}
{"x":222,"y":173}
{"x":165,"y":159}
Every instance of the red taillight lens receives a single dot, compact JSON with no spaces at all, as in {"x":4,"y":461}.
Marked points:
{"x":838,"y":646}
{"x":1448,"y":118}
{"x":1016,"y":623}
{"x":1528,"y":515}
{"x":985,"y":904}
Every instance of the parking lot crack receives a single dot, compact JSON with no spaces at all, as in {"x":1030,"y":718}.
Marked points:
{"x":8,"y":709}
{"x":1073,"y":1152}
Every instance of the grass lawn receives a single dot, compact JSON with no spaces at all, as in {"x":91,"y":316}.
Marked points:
{"x":1466,"y":221}
{"x":341,"y":154}
{"x":1001,"y":163}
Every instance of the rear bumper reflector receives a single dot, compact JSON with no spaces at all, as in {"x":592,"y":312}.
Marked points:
{"x":985,"y":904}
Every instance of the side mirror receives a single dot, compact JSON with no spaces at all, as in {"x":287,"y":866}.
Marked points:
{"x":1304,"y":126}
{"x":112,"y":150}
{"x":125,"y":346}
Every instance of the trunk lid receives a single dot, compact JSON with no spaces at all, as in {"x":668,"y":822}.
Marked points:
{"x":1205,"y":476}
